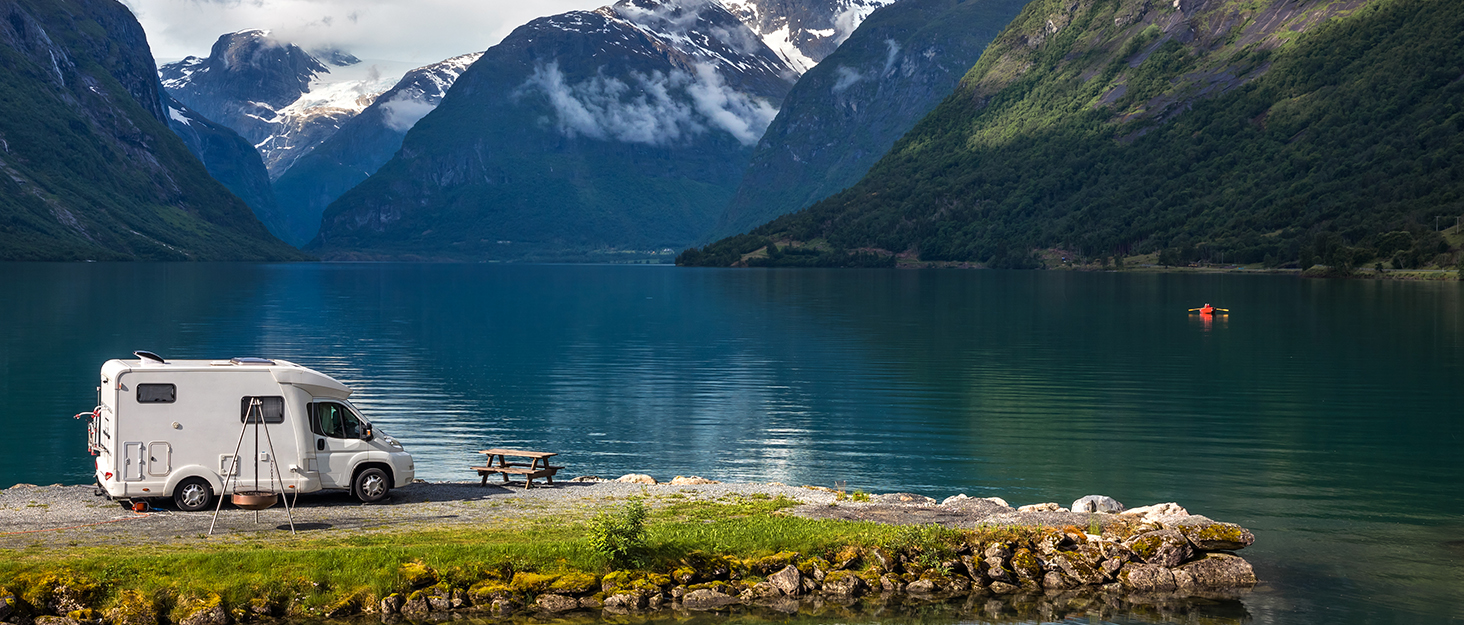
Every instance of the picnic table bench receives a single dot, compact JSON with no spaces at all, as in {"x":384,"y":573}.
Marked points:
{"x":537,"y":466}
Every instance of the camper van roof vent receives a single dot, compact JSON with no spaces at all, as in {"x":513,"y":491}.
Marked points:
{"x":251,"y":361}
{"x":150,"y":356}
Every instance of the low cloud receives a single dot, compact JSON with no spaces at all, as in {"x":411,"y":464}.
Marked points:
{"x":655,"y":109}
{"x":845,"y":77}
{"x":403,"y":111}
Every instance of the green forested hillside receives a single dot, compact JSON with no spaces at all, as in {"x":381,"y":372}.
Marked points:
{"x":1269,"y":131}
{"x":88,"y":168}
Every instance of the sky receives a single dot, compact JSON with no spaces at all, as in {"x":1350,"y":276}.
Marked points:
{"x":415,"y":31}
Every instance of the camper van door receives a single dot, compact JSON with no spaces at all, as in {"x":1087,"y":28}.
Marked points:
{"x":338,"y":431}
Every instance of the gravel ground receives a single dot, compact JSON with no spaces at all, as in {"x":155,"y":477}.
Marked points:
{"x":40,"y":516}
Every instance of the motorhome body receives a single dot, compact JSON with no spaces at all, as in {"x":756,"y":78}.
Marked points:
{"x":171,"y":428}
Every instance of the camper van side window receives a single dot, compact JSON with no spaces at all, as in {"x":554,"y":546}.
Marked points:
{"x":271,"y":408}
{"x":157,"y":393}
{"x":335,"y":421}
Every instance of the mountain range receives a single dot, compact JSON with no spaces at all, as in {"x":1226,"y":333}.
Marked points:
{"x":623,"y":128}
{"x":1273,"y":132}
{"x":92,"y":170}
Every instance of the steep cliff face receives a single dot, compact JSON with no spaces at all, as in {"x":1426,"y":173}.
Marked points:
{"x":228,"y":157}
{"x":844,"y":114}
{"x":360,"y":147}
{"x":281,"y":98}
{"x":1270,"y":132}
{"x":90,"y":167}
{"x":621,"y":128}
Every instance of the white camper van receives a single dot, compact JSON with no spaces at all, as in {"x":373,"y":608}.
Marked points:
{"x":170,"y":429}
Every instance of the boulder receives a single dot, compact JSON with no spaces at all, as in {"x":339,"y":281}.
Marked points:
{"x":1081,"y":564}
{"x":1166,"y":548}
{"x":417,"y":575}
{"x":761,"y":592}
{"x":1158,"y":513}
{"x":707,"y":599}
{"x":1097,"y":503}
{"x":416,"y":605}
{"x":1042,"y":507}
{"x":1214,"y":571}
{"x":625,"y":601}
{"x":691,"y":481}
{"x":574,"y":583}
{"x":590,"y":603}
{"x":207,"y":610}
{"x":997,"y":550}
{"x":502,"y":607}
{"x":922,"y":587}
{"x":889,"y":582}
{"x":1146,"y":578}
{"x":589,"y":478}
{"x":636,"y":478}
{"x":1026,"y":565}
{"x":55,"y":620}
{"x":556,"y":603}
{"x":390,"y":604}
{"x":1057,"y":580}
{"x":1208,"y":535}
{"x":1003,"y":588}
{"x":788,"y":580}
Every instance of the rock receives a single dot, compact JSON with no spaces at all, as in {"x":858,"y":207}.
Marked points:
{"x":625,"y":601}
{"x":974,"y":568}
{"x":502,"y":607}
{"x":439,"y":602}
{"x":574,"y":583}
{"x":997,"y":550}
{"x":1214,"y":571}
{"x":655,"y":600}
{"x":1056,"y":580}
{"x":7,"y":604}
{"x":1025,"y":565}
{"x":843,"y":584}
{"x":788,"y":580}
{"x":211,"y":615}
{"x":590,"y":603}
{"x":1003,"y":588}
{"x":883,"y":558}
{"x":636,"y":478}
{"x":921,"y":587}
{"x":1208,"y":535}
{"x":1146,"y":578}
{"x":708,"y":599}
{"x":1041,"y":507}
{"x":691,"y":481}
{"x":555,"y":604}
{"x":1081,"y":564}
{"x":391,"y":604}
{"x":1097,"y":503}
{"x":55,"y":620}
{"x":1166,"y":548}
{"x":416,"y":605}
{"x":910,"y":499}
{"x":889,"y":582}
{"x":417,"y":575}
{"x":589,"y":478}
{"x":1158,"y":513}
{"x":761,"y":592}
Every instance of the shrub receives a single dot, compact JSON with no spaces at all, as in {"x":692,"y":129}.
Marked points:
{"x":620,"y":535}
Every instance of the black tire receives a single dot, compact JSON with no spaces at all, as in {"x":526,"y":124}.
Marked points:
{"x":193,"y":494}
{"x":371,"y":485}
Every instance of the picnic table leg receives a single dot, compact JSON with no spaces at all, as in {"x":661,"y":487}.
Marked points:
{"x":484,"y":475}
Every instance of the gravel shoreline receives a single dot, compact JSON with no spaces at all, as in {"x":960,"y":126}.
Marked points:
{"x":33,"y":516}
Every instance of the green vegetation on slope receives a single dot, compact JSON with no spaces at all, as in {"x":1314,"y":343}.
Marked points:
{"x":1109,"y":130}
{"x":89,"y":171}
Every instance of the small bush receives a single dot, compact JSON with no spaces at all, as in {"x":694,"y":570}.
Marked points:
{"x":620,"y":535}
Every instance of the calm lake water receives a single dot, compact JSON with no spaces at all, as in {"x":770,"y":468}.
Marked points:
{"x":1323,"y":415}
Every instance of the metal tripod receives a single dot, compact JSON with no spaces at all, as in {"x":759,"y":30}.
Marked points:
{"x":254,"y":416}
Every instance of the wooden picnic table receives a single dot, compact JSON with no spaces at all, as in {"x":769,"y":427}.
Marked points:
{"x":537,"y":466}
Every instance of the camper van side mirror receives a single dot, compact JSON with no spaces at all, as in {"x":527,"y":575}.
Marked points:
{"x":368,"y":435}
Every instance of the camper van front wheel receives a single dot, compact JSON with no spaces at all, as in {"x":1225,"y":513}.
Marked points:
{"x":192,"y":494}
{"x":371,"y":485}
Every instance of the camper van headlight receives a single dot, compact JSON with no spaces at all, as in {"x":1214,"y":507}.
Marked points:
{"x":394,"y":443}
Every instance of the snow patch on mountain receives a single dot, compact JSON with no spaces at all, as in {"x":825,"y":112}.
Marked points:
{"x":803,"y":33}
{"x":421,"y":90}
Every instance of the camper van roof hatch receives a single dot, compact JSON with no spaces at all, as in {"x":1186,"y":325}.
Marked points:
{"x":251,"y":361}
{"x":149,"y":356}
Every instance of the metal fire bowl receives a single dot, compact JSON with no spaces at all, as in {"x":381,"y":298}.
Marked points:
{"x":255,"y":500}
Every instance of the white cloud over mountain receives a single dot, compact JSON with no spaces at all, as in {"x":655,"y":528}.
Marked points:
{"x":369,"y":29}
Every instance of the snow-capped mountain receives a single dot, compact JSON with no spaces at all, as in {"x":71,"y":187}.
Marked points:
{"x":362,"y":145}
{"x":281,"y":98}
{"x":626,"y":127}
{"x":803,"y":32}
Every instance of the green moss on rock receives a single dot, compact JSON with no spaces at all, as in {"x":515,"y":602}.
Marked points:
{"x":575,"y":583}
{"x":133,"y":608}
{"x":526,"y":582}
{"x":417,"y":574}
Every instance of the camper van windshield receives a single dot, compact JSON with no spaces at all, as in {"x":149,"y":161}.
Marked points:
{"x":335,"y":420}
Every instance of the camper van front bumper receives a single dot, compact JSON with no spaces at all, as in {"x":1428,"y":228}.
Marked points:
{"x":402,"y":468}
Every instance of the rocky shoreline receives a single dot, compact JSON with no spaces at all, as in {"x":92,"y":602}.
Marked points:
{"x":977,"y":553}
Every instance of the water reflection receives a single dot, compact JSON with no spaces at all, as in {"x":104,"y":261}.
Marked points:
{"x":1323,"y":416}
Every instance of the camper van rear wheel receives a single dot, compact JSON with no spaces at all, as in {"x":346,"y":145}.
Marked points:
{"x":192,"y":494}
{"x":371,"y":485}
